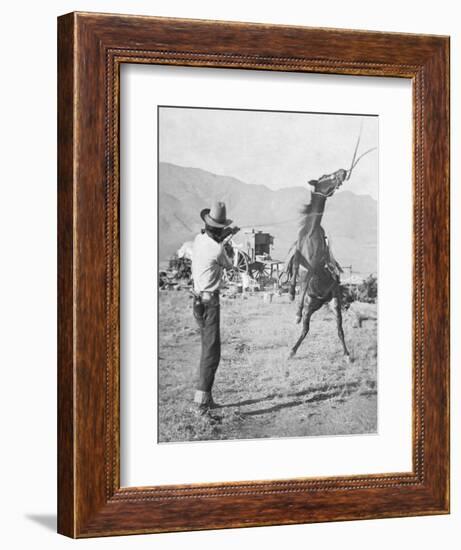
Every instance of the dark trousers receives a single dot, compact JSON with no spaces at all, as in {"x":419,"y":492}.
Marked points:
{"x":207,"y":315}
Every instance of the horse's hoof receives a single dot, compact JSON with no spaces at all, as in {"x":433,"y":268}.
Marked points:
{"x":298,"y":319}
{"x":291,"y":354}
{"x":347,"y":359}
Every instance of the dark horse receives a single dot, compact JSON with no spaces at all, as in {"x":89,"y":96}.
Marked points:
{"x":319,"y":281}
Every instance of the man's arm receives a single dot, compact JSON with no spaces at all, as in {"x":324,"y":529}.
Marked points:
{"x":223,"y":259}
{"x":227,"y":254}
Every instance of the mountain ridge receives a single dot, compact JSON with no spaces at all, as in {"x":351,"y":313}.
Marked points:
{"x":350,"y":220}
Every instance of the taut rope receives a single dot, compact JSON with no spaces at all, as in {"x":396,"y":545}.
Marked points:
{"x":355,"y":160}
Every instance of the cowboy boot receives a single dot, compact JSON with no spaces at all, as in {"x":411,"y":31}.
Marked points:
{"x":204,"y":403}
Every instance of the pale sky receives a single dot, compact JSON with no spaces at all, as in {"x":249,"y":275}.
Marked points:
{"x":276,"y":149}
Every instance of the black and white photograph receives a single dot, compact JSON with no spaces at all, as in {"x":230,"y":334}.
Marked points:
{"x":268,"y":276}
{"x":229,"y":242}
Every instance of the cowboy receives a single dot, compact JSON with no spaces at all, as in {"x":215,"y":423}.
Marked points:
{"x":209,"y":257}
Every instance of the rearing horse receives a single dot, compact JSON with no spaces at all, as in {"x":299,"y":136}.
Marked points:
{"x":320,"y":281}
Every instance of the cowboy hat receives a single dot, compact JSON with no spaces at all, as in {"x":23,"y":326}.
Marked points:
{"x":216,"y":215}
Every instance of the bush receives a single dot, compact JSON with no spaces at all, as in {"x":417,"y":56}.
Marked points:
{"x":367,"y":291}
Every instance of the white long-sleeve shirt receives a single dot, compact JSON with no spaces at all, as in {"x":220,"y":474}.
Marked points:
{"x":208,"y":260}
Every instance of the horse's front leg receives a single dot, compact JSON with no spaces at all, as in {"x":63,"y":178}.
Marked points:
{"x":339,"y":322}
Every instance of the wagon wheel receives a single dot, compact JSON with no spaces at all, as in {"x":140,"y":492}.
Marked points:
{"x":262,"y":273}
{"x":241,"y":265}
{"x":261,"y":270}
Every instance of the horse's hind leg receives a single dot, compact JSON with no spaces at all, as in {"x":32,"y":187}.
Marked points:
{"x":339,"y":322}
{"x":313,"y":306}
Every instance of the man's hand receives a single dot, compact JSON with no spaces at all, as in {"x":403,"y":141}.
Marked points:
{"x":228,"y":232}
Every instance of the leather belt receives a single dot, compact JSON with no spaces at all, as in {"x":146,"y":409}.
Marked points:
{"x":207,"y":295}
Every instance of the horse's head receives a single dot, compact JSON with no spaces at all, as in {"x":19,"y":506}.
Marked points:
{"x":327,"y":184}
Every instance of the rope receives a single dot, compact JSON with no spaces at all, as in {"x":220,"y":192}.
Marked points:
{"x":271,"y":224}
{"x":355,"y":160}
{"x":356,"y":149}
{"x":362,"y":155}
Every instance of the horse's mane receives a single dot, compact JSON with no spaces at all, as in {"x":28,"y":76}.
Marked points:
{"x":305,"y":212}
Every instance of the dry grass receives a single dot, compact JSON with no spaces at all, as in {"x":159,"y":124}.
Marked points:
{"x":262,"y":392}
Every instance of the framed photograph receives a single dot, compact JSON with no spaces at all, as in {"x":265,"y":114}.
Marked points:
{"x":253,"y":277}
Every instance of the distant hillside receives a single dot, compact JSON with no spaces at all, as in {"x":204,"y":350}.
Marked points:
{"x":350,"y":220}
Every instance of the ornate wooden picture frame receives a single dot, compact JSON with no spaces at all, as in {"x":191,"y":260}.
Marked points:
{"x":92,"y":48}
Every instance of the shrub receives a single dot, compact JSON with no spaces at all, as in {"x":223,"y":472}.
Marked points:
{"x":367,"y":291}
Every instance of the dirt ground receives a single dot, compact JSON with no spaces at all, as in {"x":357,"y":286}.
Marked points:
{"x":263,"y":393}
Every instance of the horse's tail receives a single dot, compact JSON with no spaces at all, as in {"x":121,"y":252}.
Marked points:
{"x":289,"y":262}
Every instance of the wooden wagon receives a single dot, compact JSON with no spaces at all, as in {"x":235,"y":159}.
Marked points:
{"x":253,"y":258}
{"x":252,"y":264}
